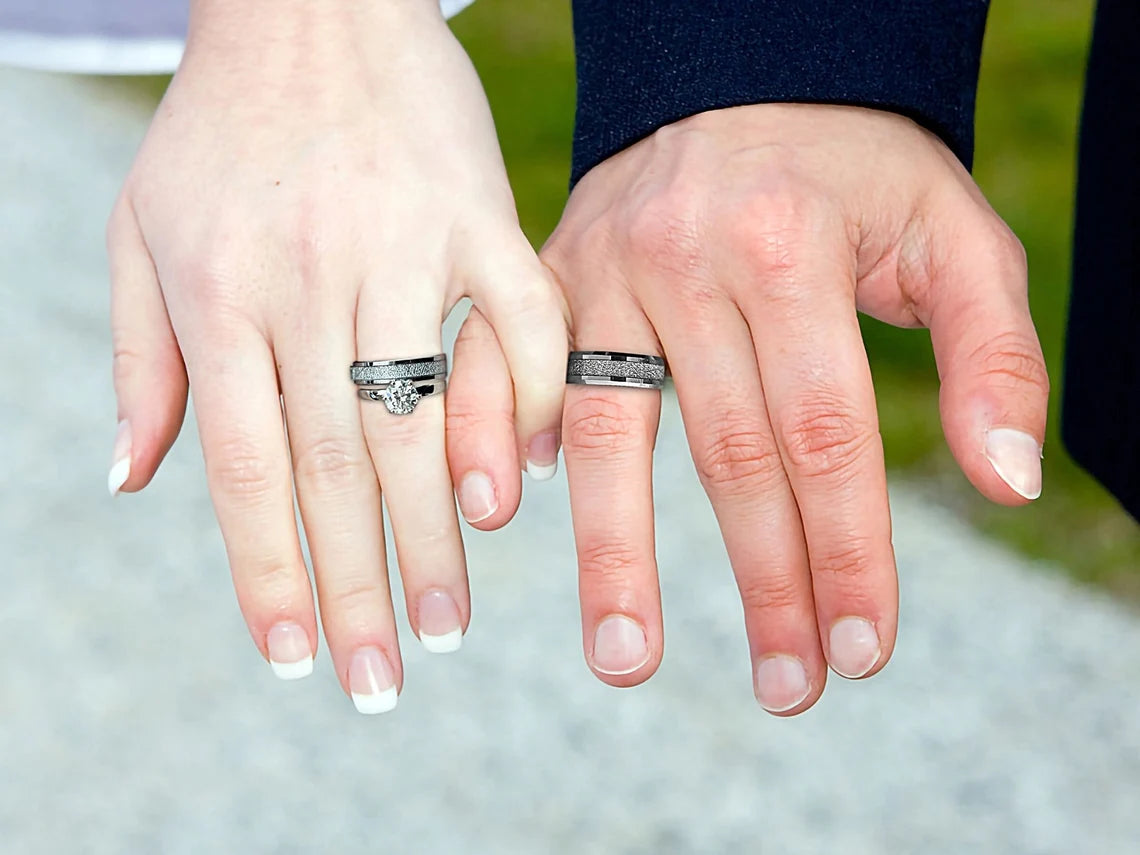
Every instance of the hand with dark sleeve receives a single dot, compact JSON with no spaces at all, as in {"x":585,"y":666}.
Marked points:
{"x":740,"y":242}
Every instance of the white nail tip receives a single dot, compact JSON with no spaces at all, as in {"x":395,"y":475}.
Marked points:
{"x":448,"y":643}
{"x":541,"y":473}
{"x":381,"y":702}
{"x":292,"y":670}
{"x":479,"y":519}
{"x":118,"y":476}
{"x":1016,"y":458}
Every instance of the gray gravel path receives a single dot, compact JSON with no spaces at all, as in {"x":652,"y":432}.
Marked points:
{"x":135,"y":715}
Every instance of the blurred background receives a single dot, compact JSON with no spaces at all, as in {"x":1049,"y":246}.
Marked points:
{"x":136,"y":716}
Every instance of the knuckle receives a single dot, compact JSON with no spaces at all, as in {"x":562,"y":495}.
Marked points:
{"x":357,"y":598}
{"x":533,"y":299}
{"x":740,"y":455}
{"x":664,"y":234}
{"x":398,"y":434}
{"x":126,"y":361}
{"x":775,"y":224}
{"x":608,"y":562}
{"x":774,"y":592}
{"x":271,"y":581}
{"x":1006,"y":245}
{"x":1013,"y":359}
{"x":330,"y":463}
{"x":598,"y":426}
{"x":240,"y":470}
{"x":824,"y":439}
{"x":465,"y":420}
{"x":850,"y":563}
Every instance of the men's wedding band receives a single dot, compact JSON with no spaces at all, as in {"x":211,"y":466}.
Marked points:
{"x":400,"y":383}
{"x":387,"y":370}
{"x":609,"y":368}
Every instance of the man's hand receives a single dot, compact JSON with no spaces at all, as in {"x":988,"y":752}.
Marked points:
{"x":740,"y":244}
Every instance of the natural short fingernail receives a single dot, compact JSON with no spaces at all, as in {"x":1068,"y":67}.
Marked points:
{"x":542,"y":456}
{"x":854,"y":647}
{"x":120,"y":459}
{"x":440,"y":625}
{"x":477,"y":498}
{"x":620,"y":646}
{"x":371,"y":682}
{"x":1016,"y":458}
{"x":781,"y":683}
{"x":290,"y":655}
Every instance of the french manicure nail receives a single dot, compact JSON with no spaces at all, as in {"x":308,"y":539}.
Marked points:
{"x":477,"y":499}
{"x":853,"y":647}
{"x":1016,"y":458}
{"x":620,"y":646}
{"x":290,"y":654}
{"x":542,"y":456}
{"x":440,"y":625}
{"x":781,"y":683}
{"x":371,"y":683}
{"x":120,"y":459}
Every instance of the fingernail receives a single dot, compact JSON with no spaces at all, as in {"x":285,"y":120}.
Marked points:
{"x":120,"y":459}
{"x":781,"y":683}
{"x":854,"y":647}
{"x":290,"y":655}
{"x":477,"y":498}
{"x":620,"y":646}
{"x":371,"y":683}
{"x":542,"y":456}
{"x":441,"y":629}
{"x":1016,"y":458}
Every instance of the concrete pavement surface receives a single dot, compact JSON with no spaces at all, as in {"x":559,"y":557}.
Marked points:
{"x":136,"y":715}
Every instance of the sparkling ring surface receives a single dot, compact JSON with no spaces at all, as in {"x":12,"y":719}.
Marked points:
{"x":400,"y":383}
{"x":611,"y":368}
{"x":386,"y":370}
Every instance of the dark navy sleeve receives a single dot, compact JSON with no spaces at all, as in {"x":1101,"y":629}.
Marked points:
{"x":644,"y":64}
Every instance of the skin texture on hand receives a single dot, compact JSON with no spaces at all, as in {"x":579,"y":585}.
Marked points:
{"x":740,"y":244}
{"x":322,"y":183}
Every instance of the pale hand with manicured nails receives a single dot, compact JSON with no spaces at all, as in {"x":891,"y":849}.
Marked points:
{"x":322,"y":184}
{"x":742,"y":244}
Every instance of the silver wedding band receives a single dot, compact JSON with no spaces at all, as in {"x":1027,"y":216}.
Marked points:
{"x":611,"y":368}
{"x":400,"y":383}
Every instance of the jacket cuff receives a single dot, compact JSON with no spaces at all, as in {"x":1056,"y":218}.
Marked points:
{"x":644,"y":64}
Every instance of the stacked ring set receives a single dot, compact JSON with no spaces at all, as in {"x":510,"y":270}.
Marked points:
{"x":401,"y":383}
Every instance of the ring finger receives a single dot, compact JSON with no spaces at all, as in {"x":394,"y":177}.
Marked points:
{"x":409,"y":453}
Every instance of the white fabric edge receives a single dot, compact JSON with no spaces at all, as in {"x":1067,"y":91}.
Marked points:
{"x":90,"y":54}
{"x":100,"y":55}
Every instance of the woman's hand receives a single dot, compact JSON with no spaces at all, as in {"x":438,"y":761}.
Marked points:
{"x":740,"y":244}
{"x":321,"y":184}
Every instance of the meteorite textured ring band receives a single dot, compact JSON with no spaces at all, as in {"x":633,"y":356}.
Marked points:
{"x":610,"y":368}
{"x":400,"y":383}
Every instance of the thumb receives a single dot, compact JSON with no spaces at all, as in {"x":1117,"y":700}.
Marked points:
{"x":995,"y":387}
{"x":150,"y":377}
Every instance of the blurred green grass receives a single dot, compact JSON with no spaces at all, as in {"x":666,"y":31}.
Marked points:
{"x":1028,"y":109}
{"x":1029,"y":98}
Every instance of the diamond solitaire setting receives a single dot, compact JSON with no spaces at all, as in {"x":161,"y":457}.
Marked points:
{"x":401,"y":397}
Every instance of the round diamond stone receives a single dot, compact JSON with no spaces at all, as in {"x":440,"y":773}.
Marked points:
{"x":401,"y":397}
